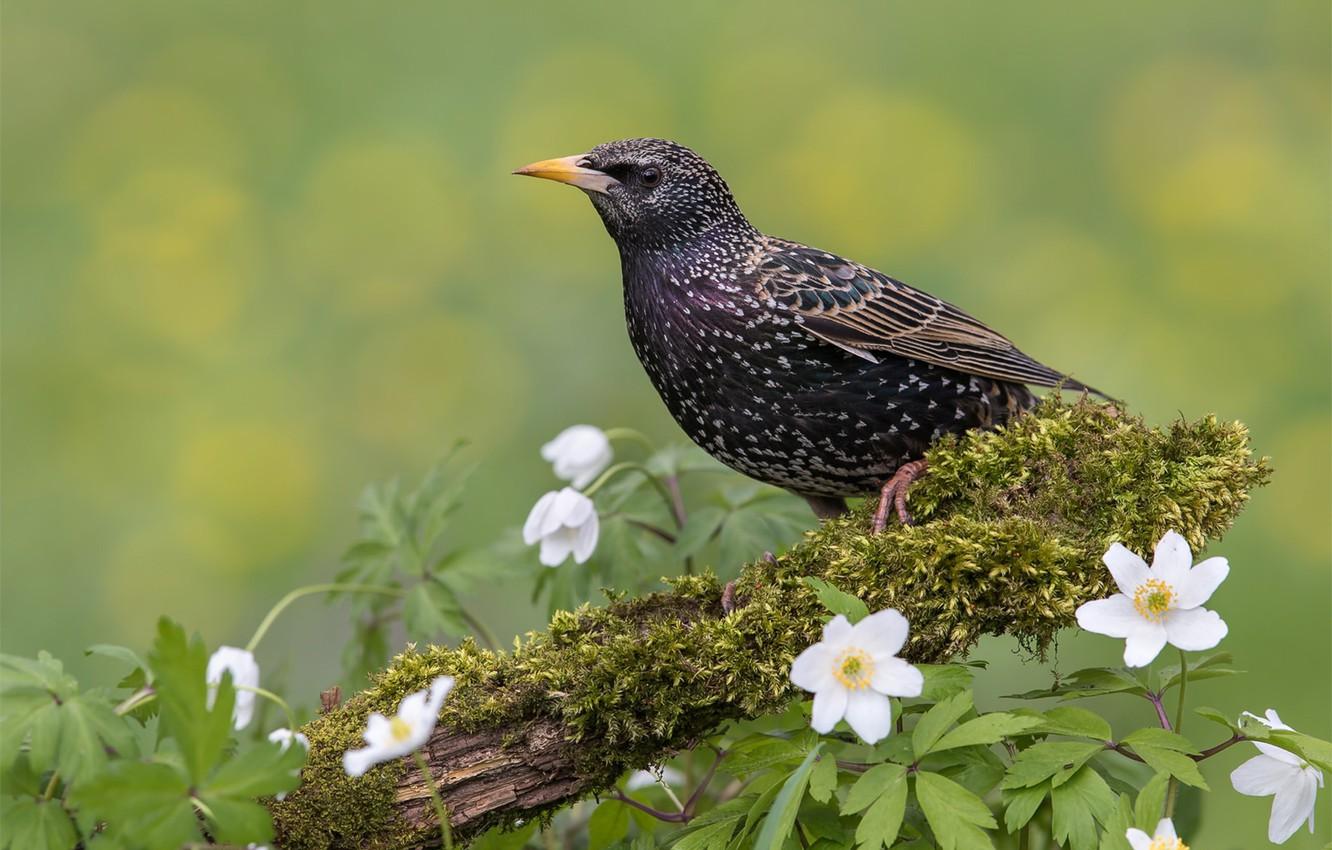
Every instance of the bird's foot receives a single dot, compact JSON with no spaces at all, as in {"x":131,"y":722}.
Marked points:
{"x":894,"y":494}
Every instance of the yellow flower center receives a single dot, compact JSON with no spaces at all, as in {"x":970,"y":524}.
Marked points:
{"x":854,"y":668}
{"x":401,"y":729}
{"x":1152,"y":600}
{"x":1167,"y":844}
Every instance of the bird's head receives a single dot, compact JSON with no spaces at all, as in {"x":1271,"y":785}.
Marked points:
{"x":652,"y":194}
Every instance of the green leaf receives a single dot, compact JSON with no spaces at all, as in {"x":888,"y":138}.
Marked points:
{"x":1112,"y":837}
{"x":1091,"y":682}
{"x":872,"y":784}
{"x":238,"y":822}
{"x":33,"y":824}
{"x":762,"y":803}
{"x":975,"y":768}
{"x":936,"y":721}
{"x":1150,"y":805}
{"x":880,"y":824}
{"x":1078,"y":805}
{"x":955,"y":814}
{"x":123,"y":654}
{"x":713,"y":836}
{"x":702,"y":525}
{"x":1165,"y":750}
{"x":1216,"y":717}
{"x":201,"y":734}
{"x":30,"y":695}
{"x":430,"y":610}
{"x":608,"y":824}
{"x":1071,"y":720}
{"x":836,"y":600}
{"x":1313,"y":750}
{"x":1213,"y":666}
{"x":1053,"y":760}
{"x":777,"y":825}
{"x":499,"y":838}
{"x":86,"y":726}
{"x":149,"y":801}
{"x":261,"y":770}
{"x":760,"y":751}
{"x":1021,"y":805}
{"x":986,"y":729}
{"x":944,"y":680}
{"x":823,"y":779}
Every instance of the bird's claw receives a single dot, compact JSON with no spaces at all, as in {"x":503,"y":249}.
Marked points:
{"x":894,"y":495}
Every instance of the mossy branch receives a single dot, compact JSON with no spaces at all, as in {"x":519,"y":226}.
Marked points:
{"x":1012,"y":527}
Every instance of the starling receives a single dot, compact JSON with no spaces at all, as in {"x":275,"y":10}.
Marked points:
{"x":794,"y":366}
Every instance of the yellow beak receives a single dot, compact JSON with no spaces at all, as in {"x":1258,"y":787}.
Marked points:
{"x":566,"y":169}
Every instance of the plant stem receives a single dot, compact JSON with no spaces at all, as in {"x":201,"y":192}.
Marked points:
{"x":678,"y":511}
{"x":1183,"y":686}
{"x":51,"y":786}
{"x":630,"y":434}
{"x":445,"y":831}
{"x":309,"y":590}
{"x":140,"y":697}
{"x":669,"y":490}
{"x":651,"y":529}
{"x":1155,"y":700}
{"x":1224,"y":745}
{"x":667,"y":817}
{"x":274,"y":698}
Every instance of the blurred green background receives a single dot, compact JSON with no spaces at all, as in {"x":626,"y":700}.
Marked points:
{"x":258,"y":254}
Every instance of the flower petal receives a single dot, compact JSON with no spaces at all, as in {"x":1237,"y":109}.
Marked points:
{"x":829,"y":707}
{"x":1262,"y":776}
{"x":585,"y":543}
{"x":1194,"y":628}
{"x":1138,"y":839}
{"x":536,"y":517}
{"x":1143,"y":644}
{"x":1126,"y":566}
{"x":882,"y":633}
{"x":1293,"y":805}
{"x":439,"y":689}
{"x":895,"y":677}
{"x":557,"y":546}
{"x":1165,"y":828}
{"x":836,"y":631}
{"x":1202,"y":581}
{"x":1115,"y":616}
{"x":812,"y":669}
{"x":579,"y":507}
{"x":566,"y":501}
{"x":870,"y":715}
{"x":357,"y":762}
{"x":1172,"y":559}
{"x":378,"y":730}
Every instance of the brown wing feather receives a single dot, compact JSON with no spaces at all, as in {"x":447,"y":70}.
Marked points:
{"x":858,"y":308}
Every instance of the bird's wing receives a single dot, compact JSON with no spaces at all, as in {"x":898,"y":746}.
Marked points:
{"x":864,"y":311}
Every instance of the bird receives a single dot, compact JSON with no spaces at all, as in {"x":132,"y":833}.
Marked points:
{"x":790,"y":364}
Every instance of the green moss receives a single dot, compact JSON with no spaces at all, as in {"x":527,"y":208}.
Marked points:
{"x":1011,"y":528}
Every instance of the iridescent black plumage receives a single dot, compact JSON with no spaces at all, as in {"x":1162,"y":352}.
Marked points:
{"x":790,"y":364}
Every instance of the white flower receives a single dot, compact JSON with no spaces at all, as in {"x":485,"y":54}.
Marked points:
{"x":1159,"y":604}
{"x":1277,"y":773}
{"x":406,"y":731}
{"x":283,"y":737}
{"x":564,"y":522}
{"x":854,"y":670}
{"x":244,"y":672}
{"x":579,"y":453}
{"x":1164,"y":839}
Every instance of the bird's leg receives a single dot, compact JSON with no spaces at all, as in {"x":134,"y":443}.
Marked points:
{"x":894,"y":493}
{"x":827,"y":507}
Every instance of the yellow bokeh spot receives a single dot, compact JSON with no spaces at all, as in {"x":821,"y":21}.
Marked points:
{"x":1193,"y":146}
{"x":379,"y":224}
{"x":421,"y":384}
{"x":149,"y":129}
{"x":180,"y":568}
{"x":259,"y":480}
{"x":869,"y":174}
{"x":173,"y":254}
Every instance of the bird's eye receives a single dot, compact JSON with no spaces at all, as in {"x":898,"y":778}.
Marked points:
{"x":651,"y":176}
